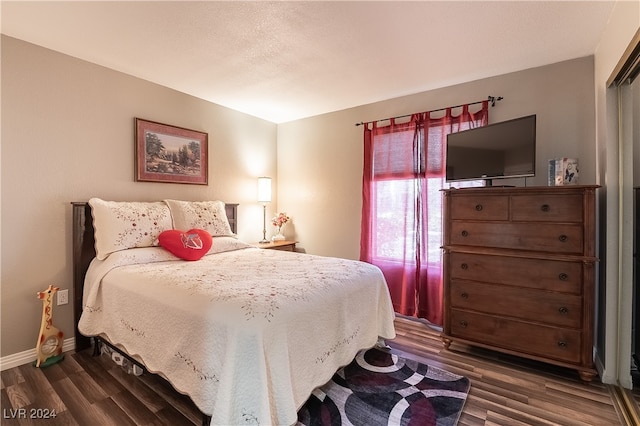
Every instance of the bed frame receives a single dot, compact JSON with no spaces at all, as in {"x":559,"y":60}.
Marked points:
{"x":84,"y":251}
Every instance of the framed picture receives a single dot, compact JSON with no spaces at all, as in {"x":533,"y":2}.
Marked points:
{"x":170,"y":154}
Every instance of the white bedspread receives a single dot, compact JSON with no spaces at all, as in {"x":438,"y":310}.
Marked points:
{"x":246,"y":333}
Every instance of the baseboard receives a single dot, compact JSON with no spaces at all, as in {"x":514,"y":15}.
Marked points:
{"x":597,"y":361}
{"x":28,"y":356}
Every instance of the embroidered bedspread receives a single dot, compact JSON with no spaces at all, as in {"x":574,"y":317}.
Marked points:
{"x":246,"y":333}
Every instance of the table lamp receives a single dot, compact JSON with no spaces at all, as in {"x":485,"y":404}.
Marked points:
{"x":264,"y":197}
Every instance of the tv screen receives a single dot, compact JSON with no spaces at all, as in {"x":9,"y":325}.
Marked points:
{"x":496,"y":151}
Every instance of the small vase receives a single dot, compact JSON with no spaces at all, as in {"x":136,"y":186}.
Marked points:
{"x":278,"y":236}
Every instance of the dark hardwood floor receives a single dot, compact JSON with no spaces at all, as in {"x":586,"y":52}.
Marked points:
{"x":505,"y":390}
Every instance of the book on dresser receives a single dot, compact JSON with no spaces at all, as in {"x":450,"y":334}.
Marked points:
{"x":519,"y":272}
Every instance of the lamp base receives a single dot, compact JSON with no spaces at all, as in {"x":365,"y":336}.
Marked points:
{"x":265,"y":241}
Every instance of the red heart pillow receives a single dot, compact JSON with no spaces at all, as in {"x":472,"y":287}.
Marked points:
{"x":190,"y":245}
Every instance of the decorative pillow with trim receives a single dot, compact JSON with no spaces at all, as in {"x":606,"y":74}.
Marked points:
{"x":124,"y":225}
{"x":189,"y":245}
{"x":208,"y":215}
{"x":222,"y":244}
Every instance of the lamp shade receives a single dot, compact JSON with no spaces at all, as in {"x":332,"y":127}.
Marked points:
{"x":264,"y":189}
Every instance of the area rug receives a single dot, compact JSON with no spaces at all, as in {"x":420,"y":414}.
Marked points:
{"x":381,"y":388}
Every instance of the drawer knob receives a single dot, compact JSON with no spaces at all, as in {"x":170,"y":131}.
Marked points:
{"x":562,"y":344}
{"x":464,"y":324}
{"x":545,"y":207}
{"x":464,"y":295}
{"x":479,"y":207}
{"x":563,"y":277}
{"x":563,"y":238}
{"x":464,"y":266}
{"x":563,"y":310}
{"x":465,"y":233}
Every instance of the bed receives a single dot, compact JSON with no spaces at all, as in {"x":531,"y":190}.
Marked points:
{"x":246,"y":333}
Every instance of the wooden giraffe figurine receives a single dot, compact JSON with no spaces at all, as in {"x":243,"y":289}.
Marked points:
{"x":49,"y":346}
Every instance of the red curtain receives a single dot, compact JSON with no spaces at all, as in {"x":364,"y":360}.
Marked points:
{"x":401,"y":229}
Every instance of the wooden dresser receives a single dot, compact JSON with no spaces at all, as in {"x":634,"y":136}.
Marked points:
{"x":519,"y":272}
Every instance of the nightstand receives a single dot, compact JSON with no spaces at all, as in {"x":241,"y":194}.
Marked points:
{"x":284,"y":245}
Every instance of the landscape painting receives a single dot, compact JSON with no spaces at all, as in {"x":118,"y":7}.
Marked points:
{"x":172,"y":154}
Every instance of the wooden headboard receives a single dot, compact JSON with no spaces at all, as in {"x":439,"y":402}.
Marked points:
{"x":84,"y":251}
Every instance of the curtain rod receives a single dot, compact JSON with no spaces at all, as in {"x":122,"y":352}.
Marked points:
{"x":491,"y":99}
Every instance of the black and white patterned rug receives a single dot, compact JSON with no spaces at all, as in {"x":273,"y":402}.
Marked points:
{"x":381,"y":388}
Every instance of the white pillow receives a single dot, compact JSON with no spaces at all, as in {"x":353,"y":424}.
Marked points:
{"x":124,"y":225}
{"x":208,"y":215}
{"x":223,"y":244}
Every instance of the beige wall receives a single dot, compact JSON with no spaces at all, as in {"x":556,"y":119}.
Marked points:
{"x":613,"y":343}
{"x":320,"y":158}
{"x":67,"y":135}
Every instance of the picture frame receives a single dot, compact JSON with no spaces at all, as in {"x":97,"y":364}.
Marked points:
{"x":170,"y":154}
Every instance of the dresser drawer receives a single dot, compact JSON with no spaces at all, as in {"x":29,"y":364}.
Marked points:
{"x":562,"y":310}
{"x":545,"y":341}
{"x":546,"y":237}
{"x":547,"y":208}
{"x":553,"y":275}
{"x":476,"y":207}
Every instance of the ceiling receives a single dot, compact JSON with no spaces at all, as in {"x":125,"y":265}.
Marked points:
{"x":283,"y":61}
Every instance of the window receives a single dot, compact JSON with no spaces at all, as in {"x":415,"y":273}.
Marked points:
{"x":402,"y":205}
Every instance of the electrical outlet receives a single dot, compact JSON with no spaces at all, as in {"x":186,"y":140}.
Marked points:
{"x":63,"y":297}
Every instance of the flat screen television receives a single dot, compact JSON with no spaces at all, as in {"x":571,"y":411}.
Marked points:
{"x":496,"y":151}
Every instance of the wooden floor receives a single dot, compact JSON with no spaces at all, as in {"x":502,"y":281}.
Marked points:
{"x":83,"y":390}
{"x":507,"y":390}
